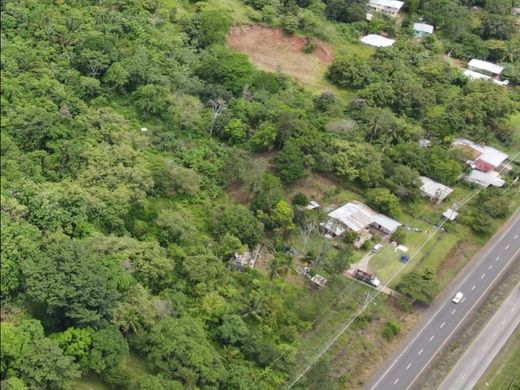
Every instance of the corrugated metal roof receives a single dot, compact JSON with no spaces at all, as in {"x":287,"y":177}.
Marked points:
{"x":358,"y":216}
{"x":434,"y":189}
{"x":485,"y":66}
{"x":377,"y":40}
{"x":485,"y":179}
{"x":423,"y":27}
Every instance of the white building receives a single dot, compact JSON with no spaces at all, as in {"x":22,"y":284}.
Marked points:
{"x":485,"y":179}
{"x":377,"y":41}
{"x":422,"y":29}
{"x":437,"y":192}
{"x":358,"y":217}
{"x":486,"y":158}
{"x":388,"y":7}
{"x":487,"y":68}
{"x":450,"y":214}
{"x":479,"y":76}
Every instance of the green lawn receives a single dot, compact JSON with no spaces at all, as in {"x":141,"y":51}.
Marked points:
{"x":503,"y":373}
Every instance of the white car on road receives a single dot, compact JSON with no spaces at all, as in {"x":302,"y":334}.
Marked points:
{"x":458,"y":297}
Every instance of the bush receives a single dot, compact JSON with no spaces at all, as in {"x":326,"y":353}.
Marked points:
{"x":310,"y":46}
{"x":391,"y":329}
{"x":300,"y":199}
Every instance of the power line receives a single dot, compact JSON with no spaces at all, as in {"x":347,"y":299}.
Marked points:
{"x":364,"y":307}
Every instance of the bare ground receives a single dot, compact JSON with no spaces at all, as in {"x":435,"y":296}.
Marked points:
{"x":274,"y":50}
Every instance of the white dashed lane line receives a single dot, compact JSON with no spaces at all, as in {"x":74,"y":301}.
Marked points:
{"x":473,"y":288}
{"x":421,"y":351}
{"x":507,"y":247}
{"x":516,"y":236}
{"x":442,"y":325}
{"x":498,"y":258}
{"x":474,"y":362}
{"x":483,"y":276}
{"x":395,"y":382}
{"x":408,"y":366}
{"x":491,"y":266}
{"x":431,"y":338}
{"x":453,"y":312}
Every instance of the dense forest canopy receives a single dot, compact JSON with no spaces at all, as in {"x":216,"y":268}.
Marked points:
{"x":125,"y":124}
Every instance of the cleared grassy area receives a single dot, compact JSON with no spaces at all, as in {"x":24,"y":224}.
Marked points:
{"x":503,"y":373}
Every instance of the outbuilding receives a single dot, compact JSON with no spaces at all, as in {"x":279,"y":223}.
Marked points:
{"x":485,"y":67}
{"x":422,"y":29}
{"x":377,"y":41}
{"x":485,"y":179}
{"x":433,"y":190}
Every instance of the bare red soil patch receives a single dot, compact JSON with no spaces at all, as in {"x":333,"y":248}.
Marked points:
{"x":276,"y":51}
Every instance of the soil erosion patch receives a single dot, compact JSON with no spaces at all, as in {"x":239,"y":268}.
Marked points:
{"x":274,"y":50}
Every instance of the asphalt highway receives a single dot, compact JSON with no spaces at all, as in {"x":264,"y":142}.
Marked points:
{"x":484,"y":270}
{"x":472,"y":365}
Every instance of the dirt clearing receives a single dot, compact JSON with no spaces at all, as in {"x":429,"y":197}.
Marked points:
{"x":275,"y":51}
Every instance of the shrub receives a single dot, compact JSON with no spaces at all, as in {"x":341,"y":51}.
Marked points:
{"x":391,"y":329}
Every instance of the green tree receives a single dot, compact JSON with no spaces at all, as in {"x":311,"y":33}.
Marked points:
{"x":70,"y":284}
{"x":350,"y":72}
{"x":206,"y":27}
{"x":268,"y":194}
{"x":281,"y":218}
{"x":264,"y":138}
{"x":289,"y":163}
{"x":237,"y":221}
{"x":37,"y":361}
{"x":384,"y":201}
{"x":180,"y":350}
{"x":235,"y":130}
{"x":420,"y":287}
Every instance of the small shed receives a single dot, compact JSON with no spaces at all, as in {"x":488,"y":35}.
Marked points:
{"x":450,"y":214}
{"x":422,"y":29}
{"x":313,"y":205}
{"x":319,"y":281}
{"x":377,"y":41}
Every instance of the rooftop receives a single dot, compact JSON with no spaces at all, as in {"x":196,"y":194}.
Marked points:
{"x":483,"y":153}
{"x":450,"y":214}
{"x":377,"y":40}
{"x":485,"y":66}
{"x":485,"y":179}
{"x":357,"y":217}
{"x":387,"y":3}
{"x":434,"y":190}
{"x":479,"y":76}
{"x":423,"y":27}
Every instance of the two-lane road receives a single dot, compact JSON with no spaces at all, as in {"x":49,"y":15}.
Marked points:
{"x":489,"y":265}
{"x":486,"y":346}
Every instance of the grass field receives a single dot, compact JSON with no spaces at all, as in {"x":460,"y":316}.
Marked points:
{"x":504,"y":372}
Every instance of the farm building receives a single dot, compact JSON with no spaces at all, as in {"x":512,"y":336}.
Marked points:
{"x":377,"y":41}
{"x":358,"y":217}
{"x":485,"y":179}
{"x":388,"y":7}
{"x":436,"y":192}
{"x":422,"y":29}
{"x":485,"y":158}
{"x":487,"y":68}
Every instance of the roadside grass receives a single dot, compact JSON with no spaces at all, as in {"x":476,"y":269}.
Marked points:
{"x":503,"y":373}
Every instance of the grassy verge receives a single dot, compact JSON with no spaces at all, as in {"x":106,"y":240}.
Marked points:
{"x":503,"y":373}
